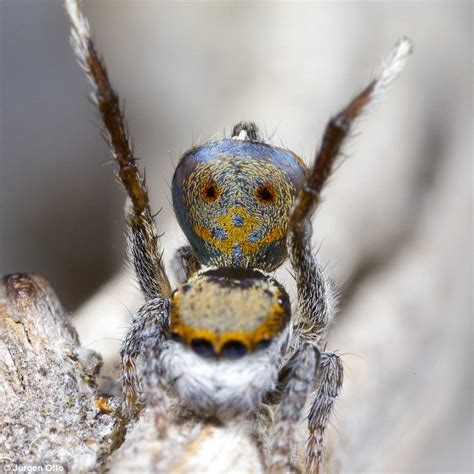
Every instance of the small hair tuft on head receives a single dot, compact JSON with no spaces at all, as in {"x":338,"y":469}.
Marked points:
{"x":246,"y":131}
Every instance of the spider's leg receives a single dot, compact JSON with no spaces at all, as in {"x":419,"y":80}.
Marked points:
{"x":337,"y":131}
{"x":143,"y":240}
{"x":185,"y":263}
{"x":144,"y":338}
{"x":330,"y":378}
{"x":313,"y":285}
{"x":314,"y":288}
{"x":155,"y":389}
{"x":295,"y":384}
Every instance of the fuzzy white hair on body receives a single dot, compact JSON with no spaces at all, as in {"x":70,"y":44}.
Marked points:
{"x":223,"y":388}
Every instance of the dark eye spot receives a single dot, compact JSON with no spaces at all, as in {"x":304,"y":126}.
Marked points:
{"x":265,"y":193}
{"x":203,"y":348}
{"x":263,"y":344}
{"x":211,"y":192}
{"x":234,"y":350}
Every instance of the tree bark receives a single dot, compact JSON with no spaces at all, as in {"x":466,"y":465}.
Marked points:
{"x":50,"y":410}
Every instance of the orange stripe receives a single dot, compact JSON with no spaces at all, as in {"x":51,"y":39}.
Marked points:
{"x":270,"y":328}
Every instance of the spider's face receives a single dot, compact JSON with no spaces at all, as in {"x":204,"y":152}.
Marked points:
{"x":230,"y":329}
{"x":232,"y":198}
{"x":229,"y":313}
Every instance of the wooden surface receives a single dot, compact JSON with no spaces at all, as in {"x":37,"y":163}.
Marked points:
{"x":49,"y":407}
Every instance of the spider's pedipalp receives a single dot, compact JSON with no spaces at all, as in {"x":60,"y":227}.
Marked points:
{"x":185,"y":263}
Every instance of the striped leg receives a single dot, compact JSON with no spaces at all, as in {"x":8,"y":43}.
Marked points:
{"x":315,"y":294}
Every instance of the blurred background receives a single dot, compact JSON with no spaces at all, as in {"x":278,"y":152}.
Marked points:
{"x":395,"y":229}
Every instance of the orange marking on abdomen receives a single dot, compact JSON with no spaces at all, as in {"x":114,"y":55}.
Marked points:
{"x":239,"y":235}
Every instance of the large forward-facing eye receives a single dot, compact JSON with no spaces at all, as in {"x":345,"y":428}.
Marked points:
{"x":265,"y":193}
{"x":202,"y":347}
{"x":234,"y":350}
{"x":211,"y":192}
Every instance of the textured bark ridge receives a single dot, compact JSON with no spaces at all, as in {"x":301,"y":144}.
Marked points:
{"x":50,"y":410}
